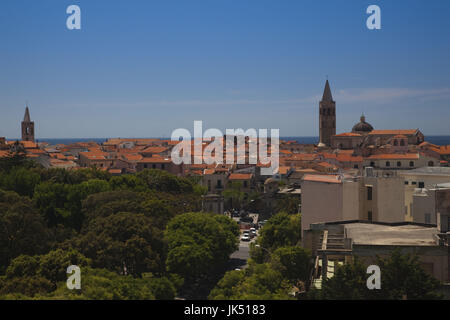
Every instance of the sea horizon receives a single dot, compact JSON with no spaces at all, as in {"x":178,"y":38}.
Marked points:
{"x":435,"y":139}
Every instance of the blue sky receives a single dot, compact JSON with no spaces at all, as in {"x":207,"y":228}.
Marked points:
{"x":142,"y":68}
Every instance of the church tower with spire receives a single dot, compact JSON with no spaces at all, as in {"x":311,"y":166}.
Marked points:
{"x":327,"y":117}
{"x":27,"y":127}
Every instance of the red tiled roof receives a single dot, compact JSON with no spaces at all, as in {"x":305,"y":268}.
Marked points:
{"x":154,"y":149}
{"x":301,"y":157}
{"x":394,"y":132}
{"x":240,"y":176}
{"x":348,"y":134}
{"x":4,"y":153}
{"x":132,"y":157}
{"x":155,"y":160}
{"x":94,"y":155}
{"x":394,"y":156}
{"x":283,"y":169}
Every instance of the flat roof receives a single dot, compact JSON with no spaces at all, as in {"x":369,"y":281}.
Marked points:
{"x":445,"y":171}
{"x":402,"y":235}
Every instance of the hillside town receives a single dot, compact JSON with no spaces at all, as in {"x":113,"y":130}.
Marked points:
{"x":363,"y":192}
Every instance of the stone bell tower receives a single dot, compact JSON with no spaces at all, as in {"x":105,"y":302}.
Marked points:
{"x":27,"y":127}
{"x":327,"y":117}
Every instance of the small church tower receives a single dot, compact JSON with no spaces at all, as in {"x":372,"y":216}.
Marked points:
{"x":327,"y":117}
{"x":27,"y":127}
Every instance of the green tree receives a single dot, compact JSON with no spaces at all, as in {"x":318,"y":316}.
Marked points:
{"x":22,"y":229}
{"x":123,"y":242}
{"x":21,"y":180}
{"x":199,"y":244}
{"x":257,"y":282}
{"x":163,"y":181}
{"x":281,"y":230}
{"x":294,"y":263}
{"x":401,"y":275}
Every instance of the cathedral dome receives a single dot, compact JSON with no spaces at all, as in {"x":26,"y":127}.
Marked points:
{"x":362,"y":126}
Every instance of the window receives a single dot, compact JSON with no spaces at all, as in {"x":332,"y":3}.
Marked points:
{"x":427,"y":218}
{"x":154,"y":166}
{"x":245,"y":184}
{"x":145,"y":166}
{"x":209,"y":185}
{"x":369,"y":215}
{"x":372,"y":164}
{"x":399,"y":164}
{"x":355,"y":166}
{"x":395,"y":143}
{"x":411,"y":163}
{"x":163,"y":166}
{"x":369,"y":193}
{"x":430,"y":163}
{"x":388,"y":164}
{"x":421,"y":185}
{"x":219,"y":184}
{"x":402,"y":142}
{"x":413,"y":183}
{"x":406,"y":182}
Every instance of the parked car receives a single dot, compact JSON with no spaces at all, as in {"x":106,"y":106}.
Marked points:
{"x":245,"y":237}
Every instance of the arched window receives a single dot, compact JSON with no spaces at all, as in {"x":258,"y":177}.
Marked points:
{"x":395,"y":143}
{"x":402,"y":142}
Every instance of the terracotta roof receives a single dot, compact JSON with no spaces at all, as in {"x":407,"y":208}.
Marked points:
{"x":326,"y":164}
{"x":348,"y":158}
{"x":155,"y":160}
{"x":445,"y":149}
{"x":283,"y":169}
{"x":305,"y":170}
{"x":348,"y":134}
{"x":394,"y":156}
{"x":394,"y":132}
{"x":36,"y":151}
{"x":154,"y":149}
{"x":29,"y":144}
{"x":4,"y":153}
{"x":322,"y":178}
{"x":132,"y":157}
{"x":209,"y":171}
{"x":240,"y":176}
{"x":94,"y":155}
{"x":301,"y":157}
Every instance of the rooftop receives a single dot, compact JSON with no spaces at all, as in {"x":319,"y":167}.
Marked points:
{"x":400,"y":235}
{"x":441,"y":171}
{"x":322,"y":178}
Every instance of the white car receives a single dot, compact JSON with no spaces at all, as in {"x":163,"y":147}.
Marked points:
{"x":245,"y":237}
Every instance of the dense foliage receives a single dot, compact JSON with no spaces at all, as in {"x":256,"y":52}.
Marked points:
{"x":121,"y":231}
{"x":402,"y":277}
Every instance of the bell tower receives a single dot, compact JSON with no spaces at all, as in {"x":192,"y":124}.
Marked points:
{"x":327,"y":117}
{"x":27,"y":127}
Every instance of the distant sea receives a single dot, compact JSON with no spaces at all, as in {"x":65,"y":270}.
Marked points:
{"x":439,"y":140}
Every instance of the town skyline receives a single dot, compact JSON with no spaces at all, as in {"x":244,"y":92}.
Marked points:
{"x":144,"y":70}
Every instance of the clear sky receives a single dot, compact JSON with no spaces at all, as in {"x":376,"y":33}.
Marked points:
{"x":142,"y":68}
